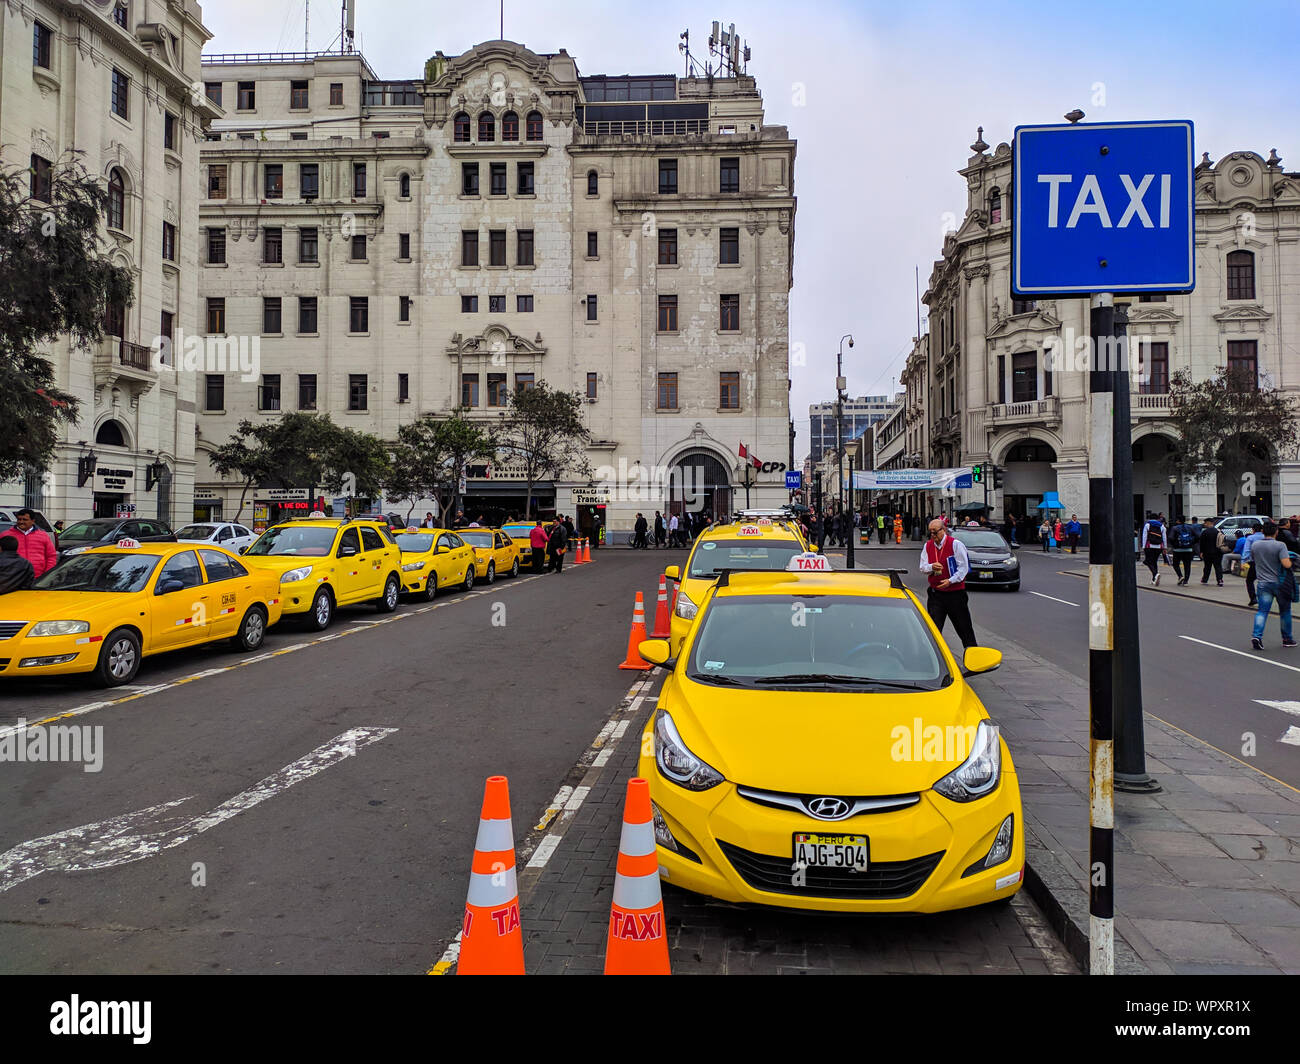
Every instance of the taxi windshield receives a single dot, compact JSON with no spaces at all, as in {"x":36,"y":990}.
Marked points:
{"x":710,"y":555}
{"x":476,"y":539}
{"x":415,"y":542}
{"x":841,"y":642}
{"x":295,"y":540}
{"x":123,"y":573}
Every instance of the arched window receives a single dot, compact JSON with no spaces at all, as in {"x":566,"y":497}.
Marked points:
{"x":461,"y":122}
{"x":593,"y":183}
{"x":116,"y":200}
{"x":510,"y":126}
{"x":995,"y":206}
{"x":1241,"y":275}
{"x":110,"y":434}
{"x":404,"y":186}
{"x":534,"y":125}
{"x":487,"y":126}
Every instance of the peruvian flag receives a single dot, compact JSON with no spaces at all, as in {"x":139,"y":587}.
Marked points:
{"x":753,"y":459}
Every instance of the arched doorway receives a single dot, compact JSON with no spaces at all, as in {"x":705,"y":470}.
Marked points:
{"x":699,"y":483}
{"x":1247,"y":476}
{"x":1027,"y":475}
{"x":1152,"y":489}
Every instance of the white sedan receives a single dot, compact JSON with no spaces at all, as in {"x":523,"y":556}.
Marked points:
{"x":231,"y":536}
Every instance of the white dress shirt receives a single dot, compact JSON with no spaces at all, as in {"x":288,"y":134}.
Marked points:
{"x":958,"y":552}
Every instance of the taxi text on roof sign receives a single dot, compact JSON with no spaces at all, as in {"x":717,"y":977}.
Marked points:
{"x":749,"y":530}
{"x":809,"y":563}
{"x":128,"y":544}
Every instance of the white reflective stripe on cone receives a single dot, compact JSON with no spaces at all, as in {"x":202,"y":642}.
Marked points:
{"x":637,"y":840}
{"x":494,"y":835}
{"x":486,"y":893}
{"x":637,"y":892}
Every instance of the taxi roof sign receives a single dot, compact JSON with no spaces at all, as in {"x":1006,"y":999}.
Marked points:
{"x":749,"y":530}
{"x":809,"y":563}
{"x":128,"y":544}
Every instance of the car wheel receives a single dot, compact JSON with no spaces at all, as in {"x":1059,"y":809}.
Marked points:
{"x":252,"y":630}
{"x":119,"y":658}
{"x":1015,"y":586}
{"x":321,"y":614}
{"x":468,"y":585}
{"x":388,"y":600}
{"x":431,"y":587}
{"x":514,"y":569}
{"x":491,"y":573}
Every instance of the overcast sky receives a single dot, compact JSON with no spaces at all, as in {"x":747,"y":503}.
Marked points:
{"x":883,"y":99}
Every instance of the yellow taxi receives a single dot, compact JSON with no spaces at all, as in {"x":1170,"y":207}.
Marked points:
{"x":816,"y":746}
{"x":323,"y":563}
{"x":754,"y":539}
{"x":495,"y":553}
{"x":104,"y":609}
{"x":434,"y":558}
{"x":520,"y":533}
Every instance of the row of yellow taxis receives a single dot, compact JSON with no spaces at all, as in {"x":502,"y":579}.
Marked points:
{"x":103,"y":610}
{"x":816,"y":744}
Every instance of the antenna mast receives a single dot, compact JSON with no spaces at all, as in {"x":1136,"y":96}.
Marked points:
{"x":733,"y":54}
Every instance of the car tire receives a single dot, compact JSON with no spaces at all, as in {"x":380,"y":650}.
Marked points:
{"x":514,"y":569}
{"x":387,"y":602}
{"x":468,"y":583}
{"x":252,"y":630}
{"x":431,"y":587}
{"x":119,"y":658}
{"x":321,"y":614}
{"x":491,"y":574}
{"x":1015,"y":586}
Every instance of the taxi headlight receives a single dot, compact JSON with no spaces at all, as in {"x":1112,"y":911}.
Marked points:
{"x":685,"y":609}
{"x":60,"y":628}
{"x":294,"y":575}
{"x":979,"y":773}
{"x":677,"y":762}
{"x":412,"y":567}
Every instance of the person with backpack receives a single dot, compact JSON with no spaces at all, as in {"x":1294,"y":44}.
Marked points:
{"x":1154,"y":540}
{"x":1183,"y":537}
{"x":1213,"y":548}
{"x":1274,"y":579}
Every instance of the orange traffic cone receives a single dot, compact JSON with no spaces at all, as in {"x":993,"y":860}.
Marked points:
{"x":577,"y":552}
{"x":636,"y":637}
{"x":673,"y":608}
{"x":491,"y":940}
{"x":661,"y":629}
{"x":586,"y":550}
{"x":637,"y":944}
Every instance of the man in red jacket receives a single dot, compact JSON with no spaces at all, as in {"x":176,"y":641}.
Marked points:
{"x":33,"y":544}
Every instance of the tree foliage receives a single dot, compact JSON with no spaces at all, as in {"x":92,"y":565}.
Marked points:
{"x":431,"y":455}
{"x":544,"y":432}
{"x":57,"y":279}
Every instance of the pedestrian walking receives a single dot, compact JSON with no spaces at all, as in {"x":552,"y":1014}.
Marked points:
{"x":1286,"y":532}
{"x":1213,"y":548}
{"x":1045,"y":534}
{"x":1182,"y":539}
{"x":1274,"y":579}
{"x":660,"y":531}
{"x":537,"y":540}
{"x":673,"y":531}
{"x":1154,"y":538}
{"x":880,"y":527}
{"x":1074,"y":530}
{"x":16,"y":572}
{"x":33,"y":543}
{"x":556,"y":543}
{"x":570,"y":530}
{"x":1058,"y":531}
{"x":1244,"y":545}
{"x":945,"y":562}
{"x":639,"y":533}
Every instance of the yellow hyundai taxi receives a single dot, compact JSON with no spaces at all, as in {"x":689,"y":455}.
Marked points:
{"x":104,"y":609}
{"x":323,"y":563}
{"x":434,"y":558}
{"x":520,"y":533}
{"x":495,"y":553}
{"x":756,"y":539}
{"x":817,"y":746}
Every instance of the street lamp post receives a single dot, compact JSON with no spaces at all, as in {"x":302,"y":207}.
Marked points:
{"x":840,"y":384}
{"x":1174,"y":505}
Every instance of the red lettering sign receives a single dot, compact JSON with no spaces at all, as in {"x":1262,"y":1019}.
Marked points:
{"x":469,"y":921}
{"x":506,"y":919}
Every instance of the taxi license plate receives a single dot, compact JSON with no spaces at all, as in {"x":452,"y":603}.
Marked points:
{"x":986,"y":576}
{"x":831,"y":851}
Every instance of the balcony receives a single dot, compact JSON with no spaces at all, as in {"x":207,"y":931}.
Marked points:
{"x":1035,"y":412}
{"x":668,"y":127}
{"x":119,"y":361}
{"x":946,"y":426}
{"x":1149,"y":404}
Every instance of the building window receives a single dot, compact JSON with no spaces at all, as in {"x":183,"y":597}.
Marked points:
{"x":461,"y":128}
{"x":1157,"y":382}
{"x":667,"y":247}
{"x":525,"y":382}
{"x":1002,"y":378}
{"x":403,"y":387}
{"x":591,"y":386}
{"x":469,"y":179}
{"x":169,"y":242}
{"x":119,"y":14}
{"x":1024,"y":377}
{"x":729,"y":313}
{"x":243,"y":136}
{"x":728,"y":175}
{"x":534,"y":125}
{"x":358,"y":392}
{"x":729,"y":391}
{"x":43,"y":181}
{"x":524,"y":247}
{"x":273,"y":181}
{"x":273,"y":244}
{"x":729,"y":246}
{"x":469,"y":389}
{"x":116,"y":200}
{"x":306,"y":391}
{"x":667,"y":177}
{"x":167,"y":329}
{"x":496,"y":389}
{"x":469,"y":304}
{"x":1243,"y":362}
{"x":510,"y":126}
{"x":1241,"y":275}
{"x":487,"y":127}
{"x":593,"y":183}
{"x":269,"y":393}
{"x":307,"y":322}
{"x":358,"y":180}
{"x":524,"y":304}
{"x":668,"y":314}
{"x":359,"y":248}
{"x":1145,"y":298}
{"x":404,"y":186}
{"x":298,"y":95}
{"x":217,"y":181}
{"x":216,"y":316}
{"x":121,"y":88}
{"x":496,"y":304}
{"x":666,"y":397}
{"x":498,"y":179}
{"x":1021,"y":306}
{"x":212,"y":90}
{"x":169,"y":131}
{"x":403,"y":245}
{"x":271,"y":314}
{"x":359,"y":317}
{"x":1047,"y":379}
{"x":496,"y":247}
{"x":336,"y":94}
{"x":41,"y":38}
{"x":215,"y":392}
{"x":216,"y":247}
{"x":246,"y":98}
{"x":995,"y":206}
{"x":591,"y":308}
{"x":524,"y":184}
{"x":403,"y":308}
{"x":593,"y":245}
{"x":309,"y":180}
{"x":308,"y":246}
{"x":115,"y":320}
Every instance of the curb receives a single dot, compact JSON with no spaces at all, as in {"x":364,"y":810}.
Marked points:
{"x":1180,"y":594}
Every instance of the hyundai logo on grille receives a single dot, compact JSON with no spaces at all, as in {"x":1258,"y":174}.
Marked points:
{"x":827,"y":808}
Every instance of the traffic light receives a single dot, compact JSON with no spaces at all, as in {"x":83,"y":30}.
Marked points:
{"x":977,"y":473}
{"x":997,"y":477}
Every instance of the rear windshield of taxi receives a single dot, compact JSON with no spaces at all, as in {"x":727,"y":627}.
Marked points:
{"x":517,"y":531}
{"x":711,"y":555}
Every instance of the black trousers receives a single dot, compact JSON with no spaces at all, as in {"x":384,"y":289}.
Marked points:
{"x":539,"y":559}
{"x":881,"y":531}
{"x":1183,"y":564}
{"x":557,"y":561}
{"x":1250,"y":581}
{"x":1215,"y":560}
{"x":1152,"y":560}
{"x":941,"y":605}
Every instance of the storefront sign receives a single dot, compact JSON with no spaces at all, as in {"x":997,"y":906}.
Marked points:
{"x":110,"y":479}
{"x":204,"y":495}
{"x":280,"y":494}
{"x":590,"y":496}
{"x":911,"y":479}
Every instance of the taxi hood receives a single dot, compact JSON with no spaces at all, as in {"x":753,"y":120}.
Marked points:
{"x":62,"y":605}
{"x":282,"y":563}
{"x":806,"y":742}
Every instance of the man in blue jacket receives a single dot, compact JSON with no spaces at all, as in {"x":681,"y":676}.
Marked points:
{"x":1074,"y":530}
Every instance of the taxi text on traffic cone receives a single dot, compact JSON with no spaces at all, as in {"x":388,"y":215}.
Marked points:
{"x":577,"y":552}
{"x":586,"y":550}
{"x":637,"y":944}
{"x":491,"y":940}
{"x":636,"y":637}
{"x":661,"y":630}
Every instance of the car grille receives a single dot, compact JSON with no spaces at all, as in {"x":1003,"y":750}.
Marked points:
{"x":853,"y":806}
{"x":4,"y":663}
{"x":9,"y":629}
{"x":882,"y":879}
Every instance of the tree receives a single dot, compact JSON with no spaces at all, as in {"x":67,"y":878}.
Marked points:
{"x":431,"y":455}
{"x":303,"y":451}
{"x":545,"y":434}
{"x":57,"y":281}
{"x":1228,"y":424}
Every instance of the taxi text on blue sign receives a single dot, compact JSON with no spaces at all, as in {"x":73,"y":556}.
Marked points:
{"x":793,"y":480}
{"x":1105,"y":207}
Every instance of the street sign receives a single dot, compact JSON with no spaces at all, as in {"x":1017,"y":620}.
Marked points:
{"x":1105,"y":207}
{"x":793,"y":480}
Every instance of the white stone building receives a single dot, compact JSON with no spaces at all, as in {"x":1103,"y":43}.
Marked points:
{"x":114,"y":79}
{"x":399,"y":248}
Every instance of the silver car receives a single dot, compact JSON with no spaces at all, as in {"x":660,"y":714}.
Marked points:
{"x":224,"y":534}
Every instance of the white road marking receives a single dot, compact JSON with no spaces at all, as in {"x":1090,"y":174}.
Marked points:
{"x":1292,"y":736}
{"x":544,"y":850}
{"x":1053,"y":598}
{"x":557,"y":803}
{"x":1253,"y":657}
{"x":147,"y":832}
{"x":579,"y":796}
{"x":1286,"y":707}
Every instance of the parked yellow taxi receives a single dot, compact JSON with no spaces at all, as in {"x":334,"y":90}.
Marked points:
{"x":817,"y":746}
{"x":520,"y":533}
{"x":435,"y":558}
{"x":495,"y":553}
{"x":104,"y":609}
{"x":323,"y":563}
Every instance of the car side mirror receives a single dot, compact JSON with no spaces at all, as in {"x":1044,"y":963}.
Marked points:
{"x":347,"y":552}
{"x":980,"y":659}
{"x":658,"y":652}
{"x":168,"y":586}
{"x":673,"y":572}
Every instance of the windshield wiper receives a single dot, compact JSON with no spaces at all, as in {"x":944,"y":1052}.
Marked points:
{"x":811,"y":678}
{"x":722,"y":681}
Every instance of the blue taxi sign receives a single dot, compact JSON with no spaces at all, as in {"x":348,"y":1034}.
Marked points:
{"x":809,"y":563}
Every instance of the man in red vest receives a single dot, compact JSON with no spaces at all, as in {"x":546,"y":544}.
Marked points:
{"x":945,"y":561}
